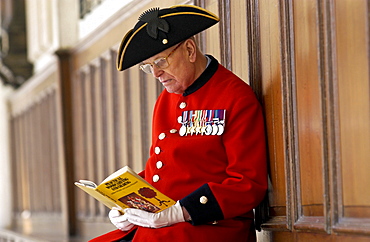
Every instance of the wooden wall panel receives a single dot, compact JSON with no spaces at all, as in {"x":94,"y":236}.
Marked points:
{"x":128,"y":121}
{"x":353,"y":89}
{"x":122,"y":121}
{"x":24,"y":167}
{"x":111,"y":122}
{"x":309,"y":113}
{"x":324,"y":65}
{"x":16,"y":154}
{"x":145,"y":116}
{"x":154,"y":88}
{"x":99,"y":88}
{"x":224,"y":28}
{"x":78,"y":139}
{"x":108,"y":68}
{"x":211,"y":46}
{"x":271,"y":72}
{"x":136,"y":117}
{"x":89,"y":133}
{"x":40,"y":198}
{"x":239,"y":43}
{"x":55,"y":153}
{"x":118,"y":107}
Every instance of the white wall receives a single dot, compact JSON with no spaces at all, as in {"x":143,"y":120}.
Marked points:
{"x":5,"y":177}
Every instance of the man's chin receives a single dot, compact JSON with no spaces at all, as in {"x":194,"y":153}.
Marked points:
{"x":170,"y":90}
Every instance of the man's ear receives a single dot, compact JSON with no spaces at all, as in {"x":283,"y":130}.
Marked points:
{"x":191,"y":49}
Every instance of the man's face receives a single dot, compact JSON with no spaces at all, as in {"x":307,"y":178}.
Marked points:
{"x":180,"y":73}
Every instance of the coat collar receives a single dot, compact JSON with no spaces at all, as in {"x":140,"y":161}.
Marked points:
{"x":203,"y":78}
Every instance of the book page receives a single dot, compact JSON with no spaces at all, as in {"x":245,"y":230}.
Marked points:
{"x":98,"y":196}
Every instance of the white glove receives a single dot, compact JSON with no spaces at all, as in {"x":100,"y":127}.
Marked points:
{"x":164,"y":218}
{"x":119,"y":220}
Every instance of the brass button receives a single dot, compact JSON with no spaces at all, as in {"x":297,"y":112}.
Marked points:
{"x":183,"y":105}
{"x":162,"y":136}
{"x":155,"y":178}
{"x":203,"y":199}
{"x":179,"y":119}
{"x":159,"y":164}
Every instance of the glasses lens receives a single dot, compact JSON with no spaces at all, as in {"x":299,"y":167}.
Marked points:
{"x":147,"y":68}
{"x":161,"y":63}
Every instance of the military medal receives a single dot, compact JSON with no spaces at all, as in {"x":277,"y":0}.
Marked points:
{"x":215,"y":122}
{"x":190,"y":123}
{"x":203,"y":122}
{"x":221,"y":122}
{"x":220,"y":129}
{"x":182,"y":130}
{"x":198,"y":122}
{"x":208,"y":129}
{"x":208,"y":122}
{"x":184,"y":120}
{"x":214,"y":129}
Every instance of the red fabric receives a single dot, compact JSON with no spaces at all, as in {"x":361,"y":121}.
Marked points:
{"x":111,"y":236}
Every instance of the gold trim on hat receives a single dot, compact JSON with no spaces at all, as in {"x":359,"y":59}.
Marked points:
{"x":199,"y":8}
{"x":191,"y":13}
{"x":120,"y":56}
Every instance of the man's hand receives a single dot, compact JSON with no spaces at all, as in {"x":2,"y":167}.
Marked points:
{"x":119,"y":220}
{"x":167,"y":217}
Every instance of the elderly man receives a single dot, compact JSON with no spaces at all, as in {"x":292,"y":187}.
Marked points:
{"x":208,"y":141}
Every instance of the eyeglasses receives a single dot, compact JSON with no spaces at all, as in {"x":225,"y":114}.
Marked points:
{"x":161,"y":63}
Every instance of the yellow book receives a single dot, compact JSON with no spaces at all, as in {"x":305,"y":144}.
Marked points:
{"x":126,"y":189}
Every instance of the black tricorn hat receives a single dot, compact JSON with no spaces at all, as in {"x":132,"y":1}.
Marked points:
{"x":159,"y":29}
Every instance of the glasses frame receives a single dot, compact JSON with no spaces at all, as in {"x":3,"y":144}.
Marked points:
{"x":149,"y":70}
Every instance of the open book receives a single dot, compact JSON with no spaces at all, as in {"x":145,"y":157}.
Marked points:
{"x":126,"y":189}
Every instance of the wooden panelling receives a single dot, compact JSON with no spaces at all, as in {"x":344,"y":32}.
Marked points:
{"x":40,"y":199}
{"x":16,"y":146}
{"x":253,"y":50}
{"x":122,"y":124}
{"x":353,"y":90}
{"x":23,"y":169}
{"x":309,"y":112}
{"x":88,"y":137}
{"x":108,"y":67}
{"x":137,"y":119}
{"x":111,"y":120}
{"x":145,"y":117}
{"x":224,"y":13}
{"x":289,"y":110}
{"x":212,"y":38}
{"x":127,"y":136}
{"x":325,"y":114}
{"x":271,"y":72}
{"x":98,"y":165}
{"x":78,"y":141}
{"x":239,"y":46}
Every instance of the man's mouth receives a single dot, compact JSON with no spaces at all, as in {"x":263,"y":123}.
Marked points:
{"x":165,"y":81}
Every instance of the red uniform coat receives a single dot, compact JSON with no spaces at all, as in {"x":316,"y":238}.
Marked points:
{"x":219,"y":177}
